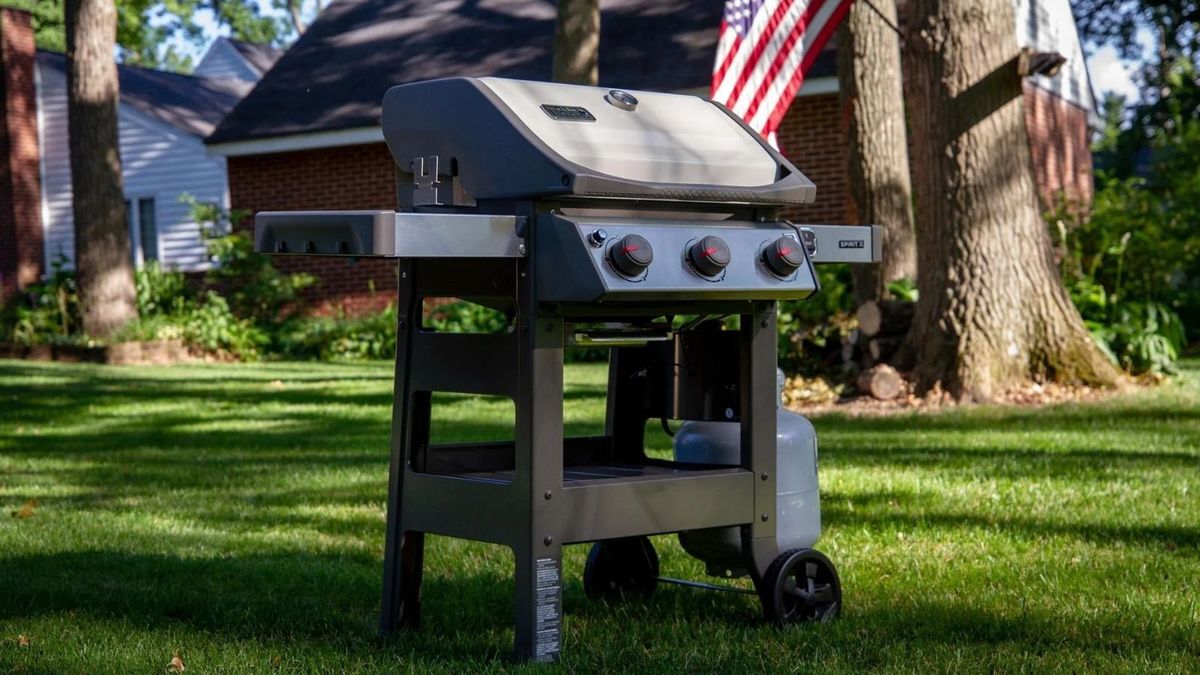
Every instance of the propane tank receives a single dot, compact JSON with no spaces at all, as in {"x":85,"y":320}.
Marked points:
{"x":798,"y":510}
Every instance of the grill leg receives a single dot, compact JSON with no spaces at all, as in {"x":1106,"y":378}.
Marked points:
{"x":404,"y":550}
{"x":759,"y":358}
{"x":537,"y":482}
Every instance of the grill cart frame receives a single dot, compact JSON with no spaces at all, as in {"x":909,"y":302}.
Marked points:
{"x":536,"y":257}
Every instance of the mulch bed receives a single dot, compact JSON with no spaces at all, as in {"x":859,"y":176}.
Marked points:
{"x":814,"y":396}
{"x":154,"y":352}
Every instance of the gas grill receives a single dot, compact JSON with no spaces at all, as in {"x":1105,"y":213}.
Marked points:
{"x":644,"y":223}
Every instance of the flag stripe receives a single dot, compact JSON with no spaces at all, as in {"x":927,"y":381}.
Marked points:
{"x":778,"y":25}
{"x":764,"y":49}
{"x":767,"y":78}
{"x":741,"y":59}
{"x":727,"y":47}
{"x":788,"y":65}
{"x":823,"y":36}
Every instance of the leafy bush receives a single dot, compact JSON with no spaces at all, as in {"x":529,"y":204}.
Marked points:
{"x":372,"y":336}
{"x":160,"y":290}
{"x":461,"y":316}
{"x":811,"y":331}
{"x":212,"y":326}
{"x":1138,"y":331}
{"x":1142,"y":337}
{"x":46,"y":313}
{"x":254,"y":288}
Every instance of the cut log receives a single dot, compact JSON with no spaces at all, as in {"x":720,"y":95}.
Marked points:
{"x":882,"y":382}
{"x":885,"y":317}
{"x":882,"y":349}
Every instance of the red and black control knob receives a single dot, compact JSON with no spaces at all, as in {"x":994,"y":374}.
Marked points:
{"x":783,"y":256}
{"x":709,"y":256}
{"x":631,"y":255}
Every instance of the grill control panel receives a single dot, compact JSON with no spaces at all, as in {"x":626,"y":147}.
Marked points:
{"x":603,"y":258}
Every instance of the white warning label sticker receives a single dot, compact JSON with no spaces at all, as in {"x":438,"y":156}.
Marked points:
{"x":549,"y":609}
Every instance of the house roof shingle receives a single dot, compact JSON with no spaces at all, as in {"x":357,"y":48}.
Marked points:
{"x":261,"y":57}
{"x":335,"y":76}
{"x":193,"y":104}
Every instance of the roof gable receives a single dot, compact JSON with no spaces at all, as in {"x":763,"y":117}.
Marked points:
{"x":259,"y":57}
{"x":192,"y":104}
{"x":335,"y":76}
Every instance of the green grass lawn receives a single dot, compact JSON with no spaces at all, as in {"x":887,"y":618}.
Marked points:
{"x":234,"y":515}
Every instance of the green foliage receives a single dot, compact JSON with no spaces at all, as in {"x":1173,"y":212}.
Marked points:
{"x":1141,"y":337}
{"x":1122,"y":283}
{"x":159,"y":290}
{"x":213,"y":326}
{"x":149,"y":31}
{"x":254,"y":287}
{"x":904,"y":289}
{"x":48,"y":28}
{"x":46,"y":313}
{"x":368,"y":337}
{"x":466,"y":317}
{"x":811,"y":331}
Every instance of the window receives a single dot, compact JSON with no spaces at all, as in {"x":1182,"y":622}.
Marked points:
{"x":141,"y":218}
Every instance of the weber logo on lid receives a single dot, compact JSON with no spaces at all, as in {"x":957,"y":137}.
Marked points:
{"x":571,"y":113}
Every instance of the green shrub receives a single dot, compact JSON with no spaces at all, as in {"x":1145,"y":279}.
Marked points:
{"x":371,"y":336}
{"x":461,"y":316}
{"x":212,"y":326}
{"x":811,"y":331}
{"x":46,"y":313}
{"x":1141,"y":335}
{"x":160,"y":290}
{"x":254,"y":288}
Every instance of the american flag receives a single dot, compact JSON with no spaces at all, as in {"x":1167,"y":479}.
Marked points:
{"x":763,"y":51}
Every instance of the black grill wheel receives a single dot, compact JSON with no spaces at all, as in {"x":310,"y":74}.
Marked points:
{"x":801,"y":585}
{"x":621,"y":567}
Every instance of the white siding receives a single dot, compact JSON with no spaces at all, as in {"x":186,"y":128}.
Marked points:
{"x":223,"y":60}
{"x":1049,"y":26}
{"x":158,"y":161}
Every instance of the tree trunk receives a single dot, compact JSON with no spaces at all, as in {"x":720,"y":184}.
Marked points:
{"x":577,"y":42}
{"x":992,"y":310}
{"x":296,"y":12}
{"x":880,"y":187}
{"x":103,"y":269}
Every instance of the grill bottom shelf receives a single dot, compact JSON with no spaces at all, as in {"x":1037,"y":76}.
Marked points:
{"x":590,"y":473}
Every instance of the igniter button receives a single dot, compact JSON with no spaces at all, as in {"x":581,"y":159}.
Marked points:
{"x":597,"y":238}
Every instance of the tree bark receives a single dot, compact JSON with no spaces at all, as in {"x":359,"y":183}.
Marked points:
{"x":872,"y":102}
{"x":577,"y":42}
{"x":992,"y":310}
{"x":103,"y":270}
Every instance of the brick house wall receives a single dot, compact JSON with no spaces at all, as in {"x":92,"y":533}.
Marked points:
{"x":21,"y":243}
{"x":812,"y":135}
{"x":364,"y":177}
{"x":1059,"y":141}
{"x":346,"y":177}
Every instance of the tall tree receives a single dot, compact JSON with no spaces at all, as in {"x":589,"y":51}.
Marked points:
{"x":103,"y":269}
{"x":872,"y":101}
{"x":992,"y":311}
{"x":145,"y":28}
{"x":577,"y":42}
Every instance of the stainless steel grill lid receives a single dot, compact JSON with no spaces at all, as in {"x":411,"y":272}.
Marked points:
{"x":507,"y":139}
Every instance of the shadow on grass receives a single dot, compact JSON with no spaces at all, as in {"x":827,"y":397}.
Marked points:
{"x":332,"y":600}
{"x":235,"y":438}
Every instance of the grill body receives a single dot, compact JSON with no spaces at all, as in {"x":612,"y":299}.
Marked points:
{"x":505,"y":204}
